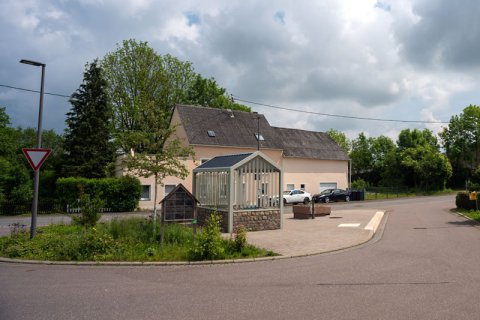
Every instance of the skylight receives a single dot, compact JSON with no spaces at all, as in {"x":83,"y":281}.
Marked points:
{"x":259,"y":137}
{"x":211,"y":133}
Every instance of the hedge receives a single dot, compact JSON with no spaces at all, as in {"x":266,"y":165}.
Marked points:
{"x":463,"y":201}
{"x":119,"y":194}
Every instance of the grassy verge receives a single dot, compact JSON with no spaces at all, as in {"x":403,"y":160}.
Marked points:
{"x":118,"y":240}
{"x":371,"y":195}
{"x":472,"y":214}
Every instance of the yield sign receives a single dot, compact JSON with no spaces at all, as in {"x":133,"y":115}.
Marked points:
{"x":36,"y":156}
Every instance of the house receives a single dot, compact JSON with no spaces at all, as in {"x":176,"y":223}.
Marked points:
{"x":310,"y":160}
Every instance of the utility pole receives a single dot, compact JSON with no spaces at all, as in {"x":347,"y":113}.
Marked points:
{"x":33,"y":225}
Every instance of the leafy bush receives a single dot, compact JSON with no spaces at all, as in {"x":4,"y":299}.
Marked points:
{"x":463,"y":201}
{"x":209,"y":243}
{"x":118,"y":194}
{"x":240,"y":238}
{"x":89,"y":211}
{"x":95,"y":245}
{"x":359,"y":184}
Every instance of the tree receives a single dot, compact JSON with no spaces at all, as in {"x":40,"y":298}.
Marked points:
{"x":461,"y":140}
{"x":207,"y":93}
{"x":161,"y":154}
{"x":361,"y":156}
{"x":383,"y":150}
{"x":142,"y":84}
{"x":15,"y":182}
{"x":87,"y":136}
{"x":423,"y":164}
{"x":341,"y":139}
{"x":144,"y":88}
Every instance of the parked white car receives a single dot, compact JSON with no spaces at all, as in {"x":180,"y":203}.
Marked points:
{"x":296,"y":196}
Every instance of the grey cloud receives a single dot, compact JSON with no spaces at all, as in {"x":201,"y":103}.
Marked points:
{"x":447,"y":35}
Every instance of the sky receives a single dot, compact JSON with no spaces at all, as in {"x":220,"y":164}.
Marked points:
{"x":404,"y":60}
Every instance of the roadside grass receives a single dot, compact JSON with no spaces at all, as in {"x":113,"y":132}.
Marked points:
{"x":472,"y":214}
{"x":380,"y":195}
{"x":130,"y":239}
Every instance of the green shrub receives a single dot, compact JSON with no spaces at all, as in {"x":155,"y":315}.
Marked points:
{"x":240,"y":238}
{"x":95,"y":245}
{"x":463,"y":201}
{"x":209,"y":243}
{"x":118,"y":194}
{"x":89,"y":211}
{"x":359,"y":184}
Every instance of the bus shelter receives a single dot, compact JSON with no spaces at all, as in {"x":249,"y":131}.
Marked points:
{"x":245,"y":189}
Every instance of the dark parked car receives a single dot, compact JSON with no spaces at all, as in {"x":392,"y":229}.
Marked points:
{"x":331,"y":195}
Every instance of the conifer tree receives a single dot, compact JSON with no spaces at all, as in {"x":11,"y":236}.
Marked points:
{"x":87,"y":137}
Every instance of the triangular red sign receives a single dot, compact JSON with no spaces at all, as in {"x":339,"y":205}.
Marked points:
{"x":36,"y":156}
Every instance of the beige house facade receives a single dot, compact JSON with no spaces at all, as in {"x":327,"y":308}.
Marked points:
{"x":310,"y":160}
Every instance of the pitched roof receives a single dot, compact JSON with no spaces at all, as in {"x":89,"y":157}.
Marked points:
{"x":309,"y":144}
{"x":239,"y":131}
{"x":225,"y":161}
{"x":236,"y":131}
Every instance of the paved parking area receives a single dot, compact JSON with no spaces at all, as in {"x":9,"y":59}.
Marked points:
{"x":341,"y":229}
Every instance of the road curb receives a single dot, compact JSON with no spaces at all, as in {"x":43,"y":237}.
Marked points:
{"x":373,"y":224}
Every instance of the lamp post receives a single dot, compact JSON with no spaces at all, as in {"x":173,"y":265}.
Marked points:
{"x":36,"y":182}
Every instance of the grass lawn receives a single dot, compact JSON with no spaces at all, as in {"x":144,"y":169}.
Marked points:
{"x":372,"y":195}
{"x":472,"y":214}
{"x":118,"y":240}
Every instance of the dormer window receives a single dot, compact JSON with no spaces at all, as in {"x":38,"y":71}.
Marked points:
{"x":259,"y":137}
{"x":211,"y":133}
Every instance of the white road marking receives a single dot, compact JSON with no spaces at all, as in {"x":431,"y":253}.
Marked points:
{"x":349,"y":225}
{"x":375,"y":221}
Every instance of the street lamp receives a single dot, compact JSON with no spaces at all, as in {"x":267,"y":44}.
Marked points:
{"x":36,"y":181}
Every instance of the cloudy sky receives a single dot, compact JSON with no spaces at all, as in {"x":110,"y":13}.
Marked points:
{"x":406,"y":60}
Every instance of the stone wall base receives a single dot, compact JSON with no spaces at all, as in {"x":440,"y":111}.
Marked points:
{"x":252,"y":220}
{"x":257,"y":220}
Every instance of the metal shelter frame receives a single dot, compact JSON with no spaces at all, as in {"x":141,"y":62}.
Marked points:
{"x":239,"y":183}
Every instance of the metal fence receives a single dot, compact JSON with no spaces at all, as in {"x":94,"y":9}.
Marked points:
{"x":11,"y":208}
{"x":23,"y":207}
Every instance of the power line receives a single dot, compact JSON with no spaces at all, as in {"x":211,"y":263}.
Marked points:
{"x":36,"y":91}
{"x":336,"y":115}
{"x":270,"y":106}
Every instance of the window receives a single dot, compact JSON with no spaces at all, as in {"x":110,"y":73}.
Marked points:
{"x":302,"y":186}
{"x":290,"y":186}
{"x":259,"y":137}
{"x":145,"y":192}
{"x":169,"y":188}
{"x":211,"y":133}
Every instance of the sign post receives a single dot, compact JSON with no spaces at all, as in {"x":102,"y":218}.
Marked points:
{"x":36,"y":157}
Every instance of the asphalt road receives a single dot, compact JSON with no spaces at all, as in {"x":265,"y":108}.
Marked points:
{"x":425,"y":265}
